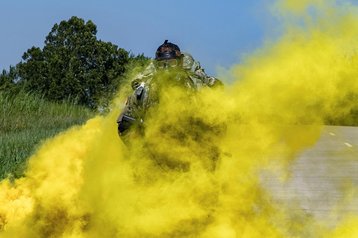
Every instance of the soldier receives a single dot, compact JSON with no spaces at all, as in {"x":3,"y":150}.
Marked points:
{"x":182,"y":69}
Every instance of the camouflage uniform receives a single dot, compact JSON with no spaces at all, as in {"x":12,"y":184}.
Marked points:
{"x":142,"y":98}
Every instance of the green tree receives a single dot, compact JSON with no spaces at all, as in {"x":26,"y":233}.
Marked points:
{"x":74,"y":65}
{"x":139,"y":60}
{"x":7,"y":80}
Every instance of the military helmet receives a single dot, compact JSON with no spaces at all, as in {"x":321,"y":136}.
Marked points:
{"x":168,"y":51}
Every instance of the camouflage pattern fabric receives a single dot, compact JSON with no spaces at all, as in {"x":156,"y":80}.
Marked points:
{"x":145,"y":85}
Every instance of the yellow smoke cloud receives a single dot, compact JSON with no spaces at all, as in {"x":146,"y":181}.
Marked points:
{"x":195,"y":171}
{"x":300,"y":6}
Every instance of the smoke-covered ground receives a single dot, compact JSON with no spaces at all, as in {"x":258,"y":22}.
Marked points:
{"x":196,"y":170}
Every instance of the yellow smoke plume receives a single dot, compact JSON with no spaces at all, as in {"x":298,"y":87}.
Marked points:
{"x":195,"y":169}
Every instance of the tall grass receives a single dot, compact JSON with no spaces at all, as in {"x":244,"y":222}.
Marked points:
{"x":25,"y":121}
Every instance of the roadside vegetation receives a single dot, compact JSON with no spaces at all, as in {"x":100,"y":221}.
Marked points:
{"x":26,"y":120}
{"x":68,"y":80}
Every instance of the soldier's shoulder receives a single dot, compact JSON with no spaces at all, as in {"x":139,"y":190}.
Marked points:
{"x":147,"y":71}
{"x":144,"y":76}
{"x":150,"y":68}
{"x":189,"y":63}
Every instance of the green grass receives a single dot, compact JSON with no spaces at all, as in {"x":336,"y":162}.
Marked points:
{"x":25,"y":121}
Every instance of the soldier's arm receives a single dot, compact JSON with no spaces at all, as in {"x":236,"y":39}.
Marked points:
{"x":133,"y":112}
{"x":125,"y":119}
{"x":213,"y":82}
{"x":192,"y":65}
{"x":143,"y":76}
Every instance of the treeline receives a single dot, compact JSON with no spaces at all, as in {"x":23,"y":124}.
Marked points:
{"x":73,"y":66}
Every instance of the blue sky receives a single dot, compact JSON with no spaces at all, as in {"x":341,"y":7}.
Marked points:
{"x":217,"y":33}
